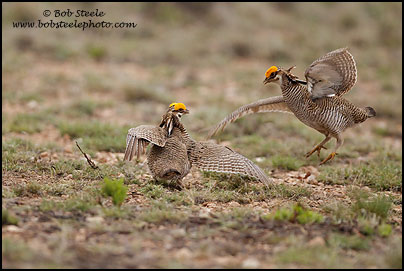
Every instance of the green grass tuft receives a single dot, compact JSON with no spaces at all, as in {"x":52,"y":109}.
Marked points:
{"x":314,"y":257}
{"x":115,"y":189}
{"x":96,"y":135}
{"x":295,"y":214}
{"x":286,"y":162}
{"x":384,"y":230}
{"x":161,"y":212}
{"x":7,"y":218}
{"x":365,"y":204}
{"x":27,"y":122}
{"x":381,"y":175}
{"x":77,"y":204}
{"x":29,"y":189}
{"x":354,"y":242}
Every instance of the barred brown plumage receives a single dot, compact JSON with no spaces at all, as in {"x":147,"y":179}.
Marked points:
{"x":174,"y":152}
{"x":316,"y":102}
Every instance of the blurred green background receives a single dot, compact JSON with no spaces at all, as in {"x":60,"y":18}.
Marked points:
{"x":95,"y":84}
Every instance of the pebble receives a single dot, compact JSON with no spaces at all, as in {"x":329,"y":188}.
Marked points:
{"x":204,"y":212}
{"x":67,"y":149}
{"x":250,"y":263}
{"x":183,"y":253}
{"x":312,"y":179}
{"x":95,"y":219}
{"x":178,"y":233}
{"x":314,"y":171}
{"x":44,"y":154}
{"x":102,"y":160}
{"x":66,"y":137}
{"x":316,"y":241}
{"x":32,"y":104}
{"x":12,"y":228}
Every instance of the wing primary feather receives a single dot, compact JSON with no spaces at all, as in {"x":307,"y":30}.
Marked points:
{"x":272,"y":104}
{"x":134,"y":148}
{"x":139,"y":145}
{"x":209,"y":156}
{"x":138,"y":138}
{"x":144,"y":143}
{"x":129,"y":148}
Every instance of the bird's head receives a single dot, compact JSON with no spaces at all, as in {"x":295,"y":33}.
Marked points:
{"x":172,"y":118}
{"x":274,"y":74}
{"x":178,"y":109}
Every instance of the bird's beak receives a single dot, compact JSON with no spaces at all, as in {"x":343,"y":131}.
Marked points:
{"x":266,"y":80}
{"x":186,"y":111}
{"x":269,"y":80}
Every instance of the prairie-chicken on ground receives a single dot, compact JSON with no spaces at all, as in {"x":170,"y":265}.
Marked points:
{"x":174,"y":152}
{"x":317,"y":102}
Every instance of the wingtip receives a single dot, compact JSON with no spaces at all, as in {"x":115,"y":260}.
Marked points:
{"x":128,"y":150}
{"x":370,"y":112}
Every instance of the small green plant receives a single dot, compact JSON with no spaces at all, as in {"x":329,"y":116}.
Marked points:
{"x":283,"y":214}
{"x":7,"y":218}
{"x":384,"y":230}
{"x":115,"y":189}
{"x":296,"y":213}
{"x":368,"y":225}
{"x":307,"y":216}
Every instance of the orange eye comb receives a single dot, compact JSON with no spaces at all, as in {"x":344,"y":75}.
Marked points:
{"x":178,"y":106}
{"x":270,"y":70}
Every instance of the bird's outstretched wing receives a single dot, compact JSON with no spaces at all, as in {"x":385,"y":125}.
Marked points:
{"x":138,"y":138}
{"x":335,"y":73}
{"x":272,"y":104}
{"x":208,"y":156}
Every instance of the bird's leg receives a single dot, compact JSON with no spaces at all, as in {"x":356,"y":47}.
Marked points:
{"x":340,"y":140}
{"x":319,"y":147}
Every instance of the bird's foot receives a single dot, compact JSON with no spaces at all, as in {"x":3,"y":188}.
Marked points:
{"x":317,"y":149}
{"x":331,"y":156}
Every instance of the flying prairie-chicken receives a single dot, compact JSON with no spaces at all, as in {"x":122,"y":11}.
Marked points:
{"x":317,"y":102}
{"x":174,"y":152}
